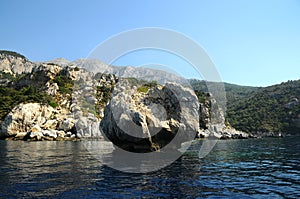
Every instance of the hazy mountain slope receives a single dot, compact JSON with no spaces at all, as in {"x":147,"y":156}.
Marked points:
{"x":129,"y":71}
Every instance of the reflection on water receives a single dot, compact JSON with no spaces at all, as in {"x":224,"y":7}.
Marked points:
{"x":237,"y":168}
{"x":42,"y":168}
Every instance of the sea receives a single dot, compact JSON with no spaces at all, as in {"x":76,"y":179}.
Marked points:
{"x":250,"y":168}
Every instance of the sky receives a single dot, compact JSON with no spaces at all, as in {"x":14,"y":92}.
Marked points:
{"x":251,"y":42}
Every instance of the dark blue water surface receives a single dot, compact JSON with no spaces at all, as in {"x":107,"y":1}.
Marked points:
{"x":254,"y":168}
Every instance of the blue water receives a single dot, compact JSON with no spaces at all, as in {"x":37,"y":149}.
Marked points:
{"x":254,"y":168}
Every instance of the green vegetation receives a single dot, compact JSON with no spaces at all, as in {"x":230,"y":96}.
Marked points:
{"x":255,"y":109}
{"x":233,"y":92}
{"x":53,"y":103}
{"x":104,"y":94}
{"x":270,"y":109}
{"x":10,"y":97}
{"x":12,"y":78}
{"x":7,"y":76}
{"x":88,"y":107}
{"x":132,"y":81}
{"x":65,"y":84}
{"x":202,"y":97}
{"x":23,"y":89}
{"x":51,"y":64}
{"x":144,"y":88}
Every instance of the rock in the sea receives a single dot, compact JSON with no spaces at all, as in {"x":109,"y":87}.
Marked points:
{"x":131,"y":122}
{"x":212,"y":122}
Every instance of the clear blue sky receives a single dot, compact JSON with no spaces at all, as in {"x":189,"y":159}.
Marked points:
{"x":252,"y":42}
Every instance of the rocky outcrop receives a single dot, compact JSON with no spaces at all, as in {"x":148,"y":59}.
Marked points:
{"x":37,"y":122}
{"x":139,"y":120}
{"x":14,"y":63}
{"x":222,"y":132}
{"x":89,"y":99}
{"x":134,"y":114}
{"x":212,"y":122}
{"x":23,"y":118}
{"x":76,"y":95}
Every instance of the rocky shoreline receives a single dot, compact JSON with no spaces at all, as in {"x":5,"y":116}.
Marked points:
{"x":63,"y":102}
{"x":62,"y":136}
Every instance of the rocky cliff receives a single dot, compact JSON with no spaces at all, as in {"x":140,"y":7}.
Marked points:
{"x":61,"y":101}
{"x":14,"y":63}
{"x":145,"y":118}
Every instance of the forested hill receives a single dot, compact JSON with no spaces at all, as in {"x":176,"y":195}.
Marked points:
{"x":233,"y":92}
{"x":268,"y":110}
{"x":271,"y":109}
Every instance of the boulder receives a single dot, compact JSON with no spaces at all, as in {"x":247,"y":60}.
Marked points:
{"x":37,"y":135}
{"x":50,"y":133}
{"x":134,"y":123}
{"x":60,"y":134}
{"x":50,"y":124}
{"x":20,"y":135}
{"x":36,"y":129}
{"x":67,"y":124}
{"x":24,"y":117}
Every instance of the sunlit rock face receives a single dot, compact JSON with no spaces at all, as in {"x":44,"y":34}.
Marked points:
{"x":138,"y":109}
{"x":14,"y":63}
{"x":146,"y":120}
{"x":36,"y":121}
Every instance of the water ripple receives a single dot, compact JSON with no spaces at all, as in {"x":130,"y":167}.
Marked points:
{"x":264,"y":168}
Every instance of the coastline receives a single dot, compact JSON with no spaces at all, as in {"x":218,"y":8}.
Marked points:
{"x":28,"y":138}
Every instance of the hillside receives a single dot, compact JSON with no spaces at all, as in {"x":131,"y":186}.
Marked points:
{"x":266,"y":111}
{"x":270,"y":109}
{"x":261,"y":111}
{"x":233,"y":92}
{"x":62,"y":101}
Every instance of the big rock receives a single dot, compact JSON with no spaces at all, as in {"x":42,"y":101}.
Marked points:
{"x":139,"y":121}
{"x":24,"y":117}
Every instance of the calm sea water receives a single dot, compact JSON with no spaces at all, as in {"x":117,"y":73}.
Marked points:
{"x":254,"y":168}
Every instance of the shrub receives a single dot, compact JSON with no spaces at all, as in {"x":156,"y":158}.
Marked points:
{"x":10,"y":97}
{"x":143,"y":89}
{"x":65,"y":84}
{"x":53,"y":104}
